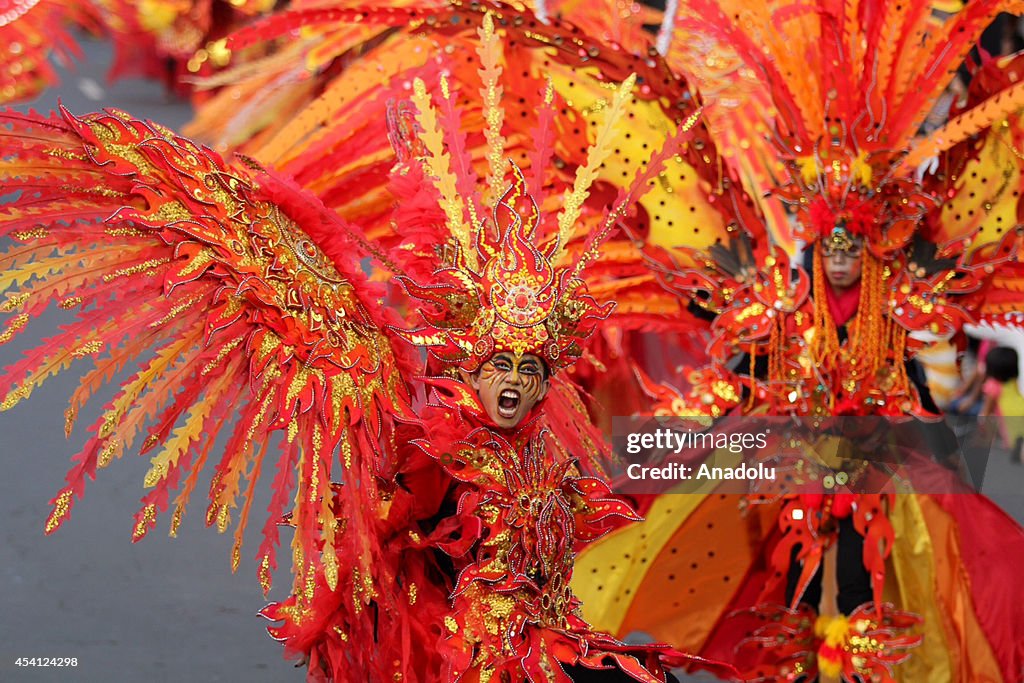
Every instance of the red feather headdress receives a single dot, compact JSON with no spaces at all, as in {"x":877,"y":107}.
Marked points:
{"x":499,"y":278}
{"x":517,"y":301}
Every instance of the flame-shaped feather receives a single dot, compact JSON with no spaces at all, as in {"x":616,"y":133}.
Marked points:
{"x":490,"y":54}
{"x":444,"y":180}
{"x":596,"y":155}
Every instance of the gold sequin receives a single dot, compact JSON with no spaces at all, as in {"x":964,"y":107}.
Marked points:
{"x":264,"y":574}
{"x":175,"y":521}
{"x":16,"y":323}
{"x":148,"y":517}
{"x":223,"y":518}
{"x":107,"y":453}
{"x":14,"y":302}
{"x":135,"y":269}
{"x":87,"y":349}
{"x":60,"y":510}
{"x":33,"y":234}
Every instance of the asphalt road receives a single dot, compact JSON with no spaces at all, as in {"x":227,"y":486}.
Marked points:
{"x":161,"y":610}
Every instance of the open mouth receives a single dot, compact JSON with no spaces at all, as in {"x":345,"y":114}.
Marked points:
{"x":508,"y":403}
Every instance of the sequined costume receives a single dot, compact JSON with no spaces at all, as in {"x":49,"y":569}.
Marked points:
{"x":836,"y":147}
{"x":513,"y":506}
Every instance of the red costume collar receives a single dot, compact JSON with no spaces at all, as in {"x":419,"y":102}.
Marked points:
{"x":842,"y":306}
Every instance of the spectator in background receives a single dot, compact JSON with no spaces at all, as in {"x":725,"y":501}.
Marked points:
{"x":968,"y":399}
{"x":1002,"y":397}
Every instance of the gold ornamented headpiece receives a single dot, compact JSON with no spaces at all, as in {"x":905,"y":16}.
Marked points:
{"x":516,"y":302}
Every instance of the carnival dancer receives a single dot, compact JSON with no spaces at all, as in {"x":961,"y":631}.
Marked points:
{"x":508,"y":503}
{"x":896,"y":259}
{"x":507,"y":506}
{"x":445,"y":549}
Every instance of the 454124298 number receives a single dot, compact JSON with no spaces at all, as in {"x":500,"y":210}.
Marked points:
{"x":46,"y":661}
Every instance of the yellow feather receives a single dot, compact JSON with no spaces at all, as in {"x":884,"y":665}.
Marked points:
{"x":164,"y":360}
{"x":229,"y":483}
{"x":180,"y":442}
{"x":490,"y":75}
{"x":66,"y":263}
{"x":586,"y":174}
{"x":190,"y":484}
{"x":298,"y":519}
{"x":327,"y":519}
{"x":978,"y":118}
{"x":439,"y":164}
{"x":243,"y":518}
{"x":53,"y":364}
{"x":19,"y":256}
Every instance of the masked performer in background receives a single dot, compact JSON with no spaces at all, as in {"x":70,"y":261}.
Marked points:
{"x":895,"y":258}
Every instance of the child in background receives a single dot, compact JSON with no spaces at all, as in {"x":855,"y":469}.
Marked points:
{"x":1002,"y":397}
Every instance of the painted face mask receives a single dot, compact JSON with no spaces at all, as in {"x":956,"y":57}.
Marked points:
{"x":510,"y":387}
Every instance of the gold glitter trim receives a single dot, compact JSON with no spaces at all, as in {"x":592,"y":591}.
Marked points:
{"x":15,"y":324}
{"x":587,"y":174}
{"x":33,"y":234}
{"x":264,"y":574}
{"x":107,"y":454}
{"x":490,"y":54}
{"x":176,"y":521}
{"x":61,"y":506}
{"x":87,"y":349}
{"x":135,"y":269}
{"x":14,"y":301}
{"x":148,"y":518}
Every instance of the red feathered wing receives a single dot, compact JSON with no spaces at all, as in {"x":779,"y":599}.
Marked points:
{"x":239,"y":296}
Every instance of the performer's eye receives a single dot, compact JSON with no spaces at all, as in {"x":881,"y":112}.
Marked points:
{"x":529,"y":369}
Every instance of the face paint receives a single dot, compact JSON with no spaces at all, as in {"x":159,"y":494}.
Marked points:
{"x":510,"y":387}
